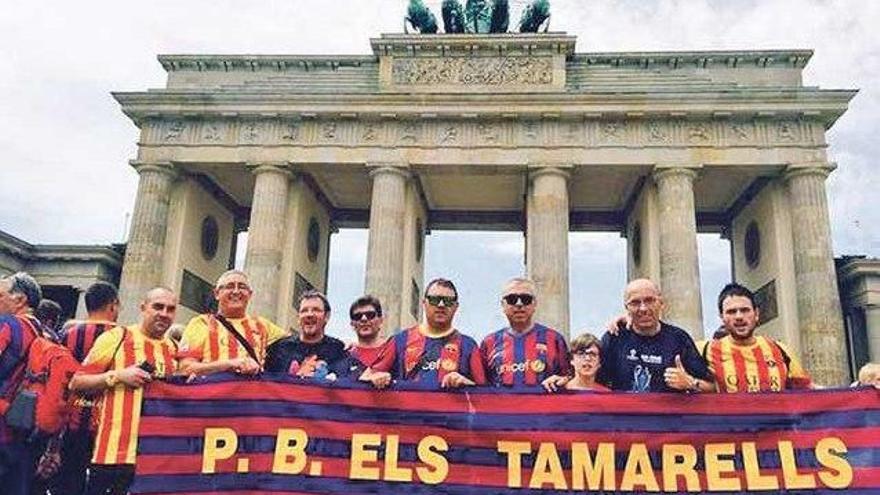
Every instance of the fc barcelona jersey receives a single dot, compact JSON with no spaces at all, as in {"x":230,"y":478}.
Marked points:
{"x":413,"y":355}
{"x":514,"y":359}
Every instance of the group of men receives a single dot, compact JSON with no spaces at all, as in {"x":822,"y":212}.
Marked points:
{"x":639,"y":353}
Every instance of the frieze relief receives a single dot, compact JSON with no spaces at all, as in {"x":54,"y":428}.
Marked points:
{"x":482,"y":71}
{"x":468,"y":133}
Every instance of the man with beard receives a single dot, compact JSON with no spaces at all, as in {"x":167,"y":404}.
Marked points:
{"x":650,"y":355}
{"x":526,"y":353}
{"x":214,"y":343}
{"x":745,"y":362}
{"x":310,"y":354}
{"x":120,"y":363}
{"x":435,"y":353}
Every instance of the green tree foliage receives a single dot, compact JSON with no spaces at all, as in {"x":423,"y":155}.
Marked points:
{"x":420,"y":17}
{"x":453,"y":16}
{"x":534,"y":16}
{"x":500,"y":16}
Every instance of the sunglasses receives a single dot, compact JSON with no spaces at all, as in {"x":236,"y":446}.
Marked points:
{"x":514,"y":299}
{"x":446,"y":300}
{"x":364,"y":315}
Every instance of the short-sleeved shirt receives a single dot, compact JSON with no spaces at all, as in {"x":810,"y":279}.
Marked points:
{"x":207,"y":340}
{"x":120,"y":407}
{"x":414,"y":355}
{"x":764,"y":366}
{"x":289,"y":350}
{"x":79,"y":337}
{"x":17,"y":332}
{"x":636,"y":363}
{"x":516,"y":359}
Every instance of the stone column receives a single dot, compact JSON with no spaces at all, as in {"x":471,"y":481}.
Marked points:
{"x":818,"y":301}
{"x":679,"y":260}
{"x":144,"y":252}
{"x":265,"y":243}
{"x":547,"y":213}
{"x":872,"y":329}
{"x":385,"y":250}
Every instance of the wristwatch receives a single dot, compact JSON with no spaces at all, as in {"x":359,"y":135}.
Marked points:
{"x":111,"y":379}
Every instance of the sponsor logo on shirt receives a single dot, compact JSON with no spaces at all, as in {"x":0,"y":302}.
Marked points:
{"x":536,"y":365}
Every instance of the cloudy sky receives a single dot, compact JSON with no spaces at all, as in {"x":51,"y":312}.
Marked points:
{"x":65,"y":145}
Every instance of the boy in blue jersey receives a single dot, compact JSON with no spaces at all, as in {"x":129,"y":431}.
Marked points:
{"x":526,"y":353}
{"x":434,"y":353}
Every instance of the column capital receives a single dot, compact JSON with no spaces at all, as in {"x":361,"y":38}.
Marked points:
{"x":561,"y":169}
{"x":662,"y":172}
{"x":258,"y":168}
{"x":821,"y":169}
{"x":161,"y":167}
{"x":399,"y":168}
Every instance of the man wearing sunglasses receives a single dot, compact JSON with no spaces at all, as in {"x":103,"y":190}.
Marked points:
{"x":650,"y":355}
{"x":433,"y":353}
{"x":366,"y":321}
{"x":524,"y":353}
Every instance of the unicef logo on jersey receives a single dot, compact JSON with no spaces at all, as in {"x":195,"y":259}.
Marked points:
{"x":444,"y":364}
{"x":535,"y":365}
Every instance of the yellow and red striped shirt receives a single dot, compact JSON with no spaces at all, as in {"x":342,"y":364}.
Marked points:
{"x":207,"y":340}
{"x":120,"y":407}
{"x":764,"y":366}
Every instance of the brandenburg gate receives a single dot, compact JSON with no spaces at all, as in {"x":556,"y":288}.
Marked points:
{"x":498,"y":132}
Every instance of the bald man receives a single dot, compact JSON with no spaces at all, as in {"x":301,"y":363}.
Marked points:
{"x":650,"y":355}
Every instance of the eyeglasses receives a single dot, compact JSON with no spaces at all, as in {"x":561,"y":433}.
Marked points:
{"x":515,"y":299}
{"x":364,"y":315}
{"x":586,"y":354}
{"x":235,"y":285}
{"x":637,"y":303}
{"x":446,"y":300}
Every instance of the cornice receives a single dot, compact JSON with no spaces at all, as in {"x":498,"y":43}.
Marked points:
{"x":823,"y":105}
{"x":560,"y":43}
{"x":254,"y":63}
{"x":788,"y":58}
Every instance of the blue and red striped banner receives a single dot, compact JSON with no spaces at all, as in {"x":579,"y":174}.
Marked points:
{"x":277,"y":435}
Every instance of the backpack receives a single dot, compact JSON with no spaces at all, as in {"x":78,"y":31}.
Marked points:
{"x":42,"y":401}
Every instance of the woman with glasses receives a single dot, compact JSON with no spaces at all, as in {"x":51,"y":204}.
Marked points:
{"x":586,"y":359}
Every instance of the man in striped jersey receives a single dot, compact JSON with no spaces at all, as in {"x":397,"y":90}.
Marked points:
{"x":526,"y":352}
{"x":208,"y":346}
{"x":102,"y":307}
{"x":745,"y":362}
{"x":120,"y":363}
{"x":19,"y":296}
{"x":434,"y":354}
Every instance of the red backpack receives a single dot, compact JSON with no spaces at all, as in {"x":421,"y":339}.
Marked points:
{"x":48,"y":372}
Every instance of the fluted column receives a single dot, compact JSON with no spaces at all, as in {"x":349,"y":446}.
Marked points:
{"x":818,"y":301}
{"x":384,"y":277}
{"x":679,"y":259}
{"x":872,"y":329}
{"x":547,"y":243}
{"x":265,"y":243}
{"x":142,"y":269}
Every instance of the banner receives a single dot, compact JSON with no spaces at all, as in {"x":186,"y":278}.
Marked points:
{"x":277,"y":435}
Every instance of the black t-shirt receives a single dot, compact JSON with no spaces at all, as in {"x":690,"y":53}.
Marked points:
{"x":281,"y":354}
{"x":634,"y":363}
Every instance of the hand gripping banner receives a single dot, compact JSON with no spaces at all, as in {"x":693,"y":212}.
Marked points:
{"x":276,"y":435}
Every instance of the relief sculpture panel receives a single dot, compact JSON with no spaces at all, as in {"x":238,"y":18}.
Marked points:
{"x":484,"y":71}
